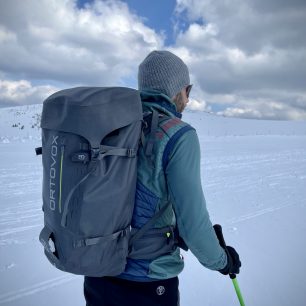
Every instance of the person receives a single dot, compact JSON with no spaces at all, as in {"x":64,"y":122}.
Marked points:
{"x":164,"y":85}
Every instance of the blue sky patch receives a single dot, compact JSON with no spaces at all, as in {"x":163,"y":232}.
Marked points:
{"x":158,"y":15}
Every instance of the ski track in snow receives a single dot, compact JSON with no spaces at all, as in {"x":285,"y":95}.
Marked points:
{"x":36,"y":288}
{"x":256,"y":214}
{"x":19,"y":218}
{"x":247,"y":179}
{"x":22,"y":180}
{"x":18,"y":229}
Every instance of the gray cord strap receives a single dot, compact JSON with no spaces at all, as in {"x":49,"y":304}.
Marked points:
{"x":66,"y":205}
{"x":102,"y":239}
{"x":45,"y":237}
{"x":148,"y":225}
{"x":108,"y":150}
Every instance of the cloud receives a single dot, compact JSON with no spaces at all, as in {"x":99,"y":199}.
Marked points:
{"x":249,"y":51}
{"x":264,"y":109}
{"x":251,"y":24}
{"x":196,"y":105}
{"x":101,"y":43}
{"x":13,"y":93}
{"x":242,"y":54}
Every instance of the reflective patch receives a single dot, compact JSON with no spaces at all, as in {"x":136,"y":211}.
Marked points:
{"x":160,"y":290}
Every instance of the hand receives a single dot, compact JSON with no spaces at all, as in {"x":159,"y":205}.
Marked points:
{"x":233,"y":261}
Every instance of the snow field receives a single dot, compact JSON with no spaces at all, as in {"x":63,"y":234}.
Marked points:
{"x":253,"y":178}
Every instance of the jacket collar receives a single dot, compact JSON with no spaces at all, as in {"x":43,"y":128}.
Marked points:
{"x":159,"y":100}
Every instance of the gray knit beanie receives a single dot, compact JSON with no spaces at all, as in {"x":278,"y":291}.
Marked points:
{"x":163,"y":71}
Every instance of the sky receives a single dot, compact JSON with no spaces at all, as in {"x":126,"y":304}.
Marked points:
{"x":247,"y":58}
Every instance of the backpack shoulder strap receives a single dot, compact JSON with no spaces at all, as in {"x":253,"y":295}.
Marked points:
{"x":172,"y":141}
{"x":148,"y":147}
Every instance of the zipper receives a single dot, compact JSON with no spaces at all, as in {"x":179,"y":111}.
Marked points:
{"x":61,"y":178}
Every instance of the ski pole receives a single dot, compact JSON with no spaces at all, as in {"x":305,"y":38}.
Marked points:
{"x":237,"y":289}
{"x":218,"y":230}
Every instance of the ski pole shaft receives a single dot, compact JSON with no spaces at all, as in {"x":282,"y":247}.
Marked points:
{"x":237,"y":289}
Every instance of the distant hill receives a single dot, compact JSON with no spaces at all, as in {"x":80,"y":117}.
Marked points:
{"x":22,"y":123}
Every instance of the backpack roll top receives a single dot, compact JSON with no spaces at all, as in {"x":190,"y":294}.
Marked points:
{"x":91,"y":112}
{"x":90,"y":138}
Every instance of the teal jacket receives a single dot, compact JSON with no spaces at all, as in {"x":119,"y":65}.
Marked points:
{"x":176,"y":178}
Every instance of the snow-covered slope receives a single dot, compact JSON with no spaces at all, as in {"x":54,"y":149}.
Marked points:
{"x":254,"y":181}
{"x":212,"y":125}
{"x":22,"y":124}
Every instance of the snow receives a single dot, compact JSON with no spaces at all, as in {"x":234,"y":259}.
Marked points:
{"x":20,"y":123}
{"x":253,"y":177}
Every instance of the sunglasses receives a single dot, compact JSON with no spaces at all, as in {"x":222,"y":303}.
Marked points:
{"x":188,"y":89}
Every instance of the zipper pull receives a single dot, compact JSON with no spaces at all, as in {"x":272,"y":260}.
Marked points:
{"x":168,"y":234}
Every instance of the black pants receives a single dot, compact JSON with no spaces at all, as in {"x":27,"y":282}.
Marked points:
{"x":111,"y":291}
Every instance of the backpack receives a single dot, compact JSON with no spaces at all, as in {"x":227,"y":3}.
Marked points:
{"x":90,"y":138}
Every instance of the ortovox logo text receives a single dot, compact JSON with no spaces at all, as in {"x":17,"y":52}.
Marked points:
{"x":53,"y":172}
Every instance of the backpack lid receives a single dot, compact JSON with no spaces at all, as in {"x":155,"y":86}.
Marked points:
{"x":92,"y":112}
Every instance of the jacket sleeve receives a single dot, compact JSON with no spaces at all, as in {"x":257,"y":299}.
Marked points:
{"x":183,"y":176}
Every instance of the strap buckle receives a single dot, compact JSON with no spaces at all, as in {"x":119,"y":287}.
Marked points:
{"x":131,"y":152}
{"x":95,"y":152}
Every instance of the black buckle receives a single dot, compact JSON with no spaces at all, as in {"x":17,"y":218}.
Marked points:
{"x":95,"y":152}
{"x":38,"y":150}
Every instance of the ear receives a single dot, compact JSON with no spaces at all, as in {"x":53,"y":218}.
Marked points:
{"x":176,"y":98}
{"x":178,"y":95}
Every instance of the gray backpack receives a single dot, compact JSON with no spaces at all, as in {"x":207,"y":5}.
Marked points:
{"x":90,"y":138}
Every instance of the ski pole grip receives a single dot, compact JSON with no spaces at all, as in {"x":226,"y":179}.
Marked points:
{"x":218,"y":230}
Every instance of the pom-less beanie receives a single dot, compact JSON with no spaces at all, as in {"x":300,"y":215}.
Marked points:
{"x":163,"y":71}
